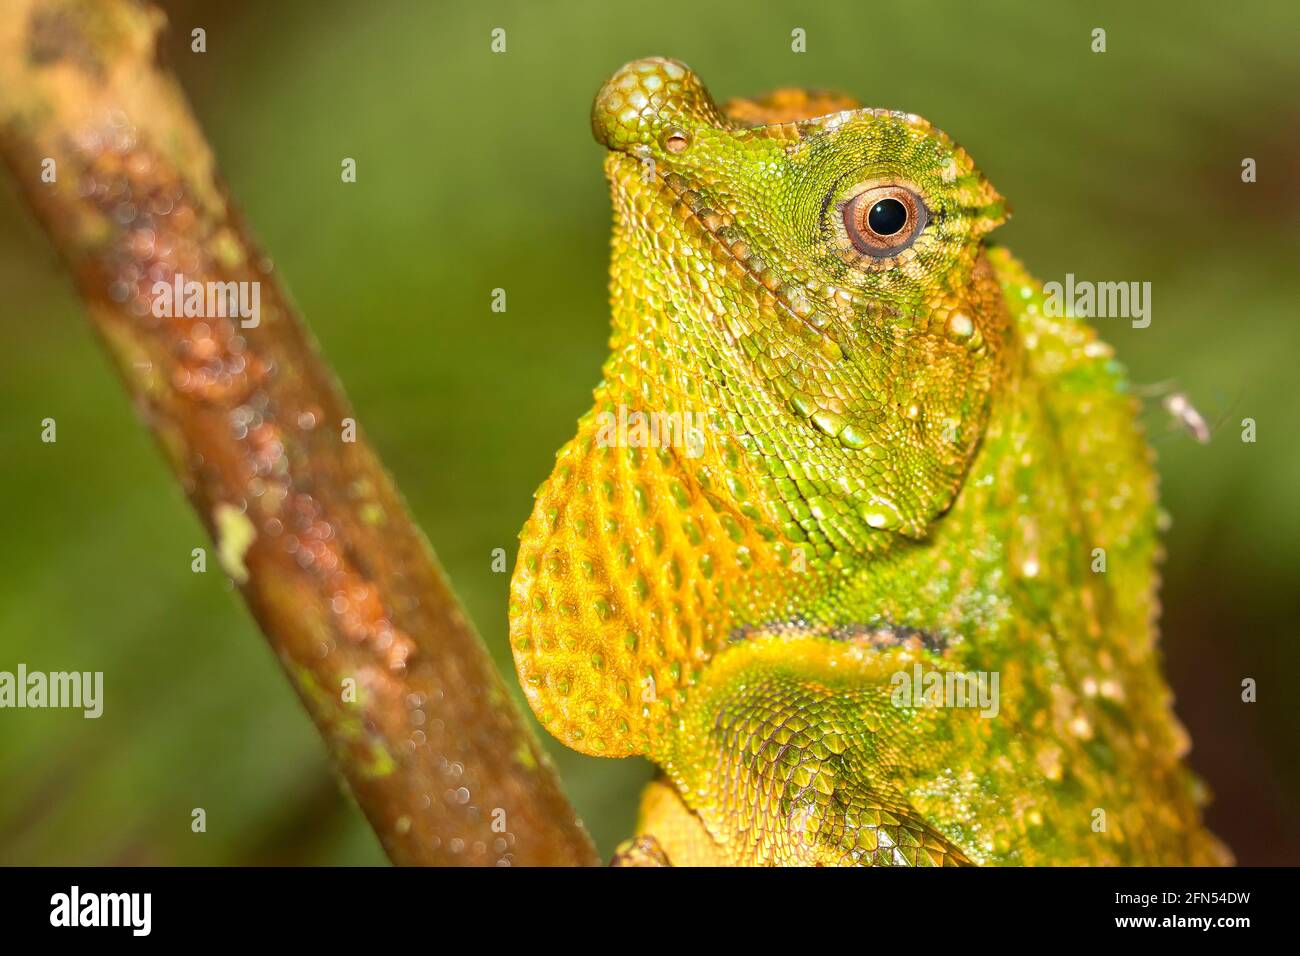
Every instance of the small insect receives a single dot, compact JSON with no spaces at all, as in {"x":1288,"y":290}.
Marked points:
{"x":1180,"y":407}
{"x":1183,"y":415}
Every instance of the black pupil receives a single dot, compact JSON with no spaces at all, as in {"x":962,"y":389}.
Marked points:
{"x":887,"y":217}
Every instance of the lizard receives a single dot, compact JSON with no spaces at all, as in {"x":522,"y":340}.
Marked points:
{"x":883,"y":482}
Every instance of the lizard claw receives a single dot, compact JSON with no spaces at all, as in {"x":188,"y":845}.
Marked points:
{"x":643,"y":850}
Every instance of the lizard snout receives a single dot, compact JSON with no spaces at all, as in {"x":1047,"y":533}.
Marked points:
{"x":652,"y":102}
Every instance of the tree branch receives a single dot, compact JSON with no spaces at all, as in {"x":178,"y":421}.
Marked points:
{"x":309,"y":524}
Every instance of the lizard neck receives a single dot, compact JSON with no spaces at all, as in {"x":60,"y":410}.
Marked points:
{"x":690,"y":378}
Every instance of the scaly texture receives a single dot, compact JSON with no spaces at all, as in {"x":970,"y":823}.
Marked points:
{"x":898,"y":465}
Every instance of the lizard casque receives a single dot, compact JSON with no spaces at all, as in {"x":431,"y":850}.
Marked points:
{"x":904,"y":468}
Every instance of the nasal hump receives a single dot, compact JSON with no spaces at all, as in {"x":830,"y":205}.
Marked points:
{"x":646,"y":98}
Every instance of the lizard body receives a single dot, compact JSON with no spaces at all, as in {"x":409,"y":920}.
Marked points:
{"x":904,"y":471}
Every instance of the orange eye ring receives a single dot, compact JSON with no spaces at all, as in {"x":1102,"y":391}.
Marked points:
{"x":883,"y":221}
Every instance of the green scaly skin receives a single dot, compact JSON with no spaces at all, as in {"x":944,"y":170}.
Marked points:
{"x":906,"y":463}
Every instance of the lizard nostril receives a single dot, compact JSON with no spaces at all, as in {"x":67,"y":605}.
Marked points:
{"x":676,"y":141}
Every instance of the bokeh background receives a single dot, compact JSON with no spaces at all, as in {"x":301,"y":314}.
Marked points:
{"x":478,"y":171}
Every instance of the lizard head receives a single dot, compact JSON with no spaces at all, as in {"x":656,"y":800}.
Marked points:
{"x":823,"y":264}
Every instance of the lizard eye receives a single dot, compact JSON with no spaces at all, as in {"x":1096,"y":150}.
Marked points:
{"x":884,"y":220}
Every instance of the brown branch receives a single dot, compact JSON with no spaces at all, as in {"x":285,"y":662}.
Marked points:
{"x":340,"y":579}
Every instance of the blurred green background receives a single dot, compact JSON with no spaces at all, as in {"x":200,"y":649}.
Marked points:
{"x":478,"y":171}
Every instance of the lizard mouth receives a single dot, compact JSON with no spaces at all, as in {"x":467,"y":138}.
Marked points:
{"x":725,"y":238}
